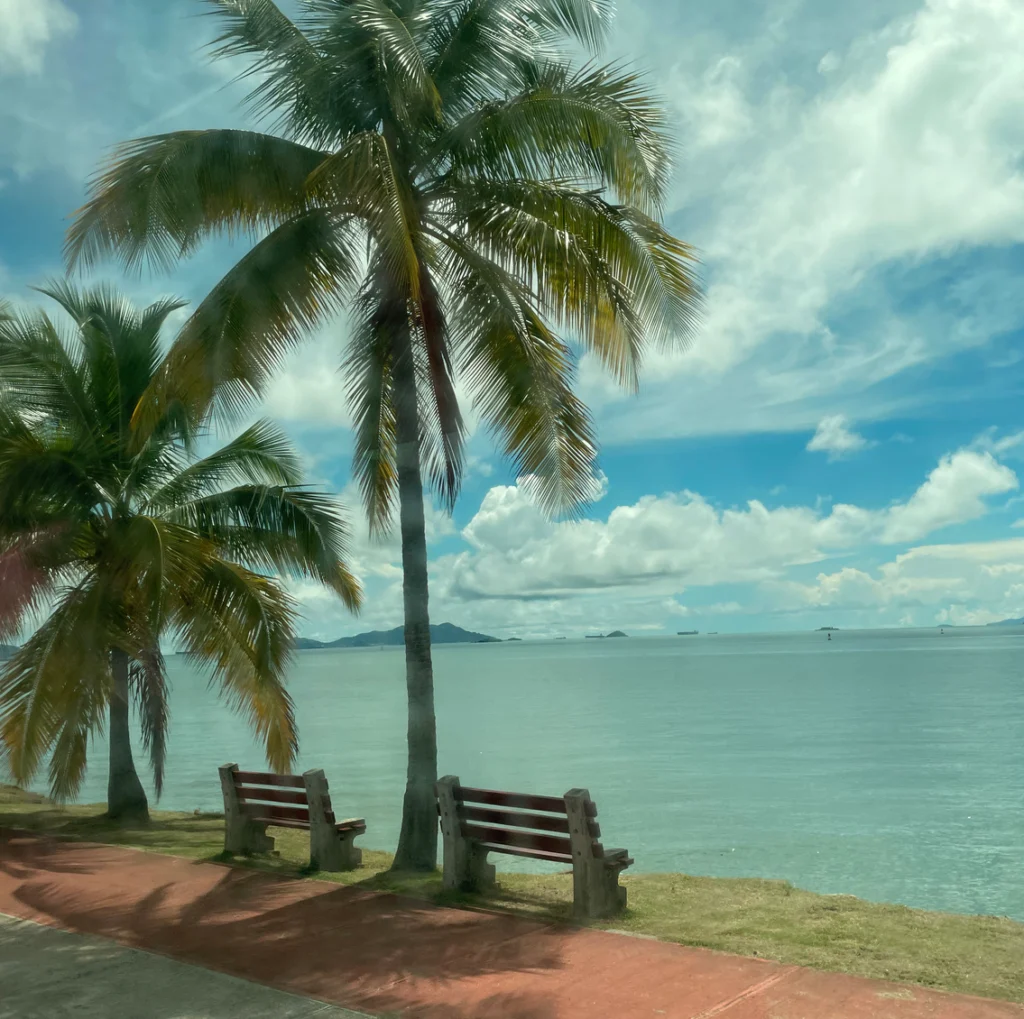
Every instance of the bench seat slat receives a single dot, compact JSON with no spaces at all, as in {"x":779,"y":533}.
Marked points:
{"x":269,"y":778}
{"x":351,"y":824}
{"x":258,"y":810}
{"x":248,"y":794}
{"x":356,"y":824}
{"x":515,"y":818}
{"x":533,"y":854}
{"x":518,"y":839}
{"x":277,"y":822}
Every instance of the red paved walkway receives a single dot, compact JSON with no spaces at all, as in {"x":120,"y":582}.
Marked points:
{"x":380,"y":953}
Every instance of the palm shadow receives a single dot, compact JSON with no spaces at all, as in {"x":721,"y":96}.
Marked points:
{"x":356,"y":946}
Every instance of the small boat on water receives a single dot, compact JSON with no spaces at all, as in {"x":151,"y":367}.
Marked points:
{"x":687,"y":633}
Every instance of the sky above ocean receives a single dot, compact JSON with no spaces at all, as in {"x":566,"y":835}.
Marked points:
{"x":842,"y":444}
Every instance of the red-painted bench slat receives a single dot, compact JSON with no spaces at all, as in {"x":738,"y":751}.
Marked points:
{"x":515,"y":818}
{"x":258,"y":812}
{"x":519,"y":839}
{"x":249,"y":794}
{"x":269,"y":778}
{"x":532,"y":854}
{"x":517,"y":801}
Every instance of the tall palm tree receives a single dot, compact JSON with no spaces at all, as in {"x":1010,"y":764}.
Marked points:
{"x":119,"y":538}
{"x":482,"y":206}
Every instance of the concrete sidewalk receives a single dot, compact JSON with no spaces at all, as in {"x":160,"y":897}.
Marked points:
{"x":379,"y":953}
{"x":51,"y":974}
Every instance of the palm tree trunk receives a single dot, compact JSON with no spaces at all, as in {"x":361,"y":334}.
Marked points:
{"x":417,"y":842}
{"x":126,"y":799}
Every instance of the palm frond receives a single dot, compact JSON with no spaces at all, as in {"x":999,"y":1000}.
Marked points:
{"x":522,"y":375}
{"x":33,"y":561}
{"x":53,"y":690}
{"x":244,"y":626}
{"x":44,"y":479}
{"x":120,"y":348}
{"x":609,"y":274}
{"x":275,"y":528}
{"x":441,"y":420}
{"x":296,"y":86}
{"x":158,"y":197}
{"x":41,"y":373}
{"x":600,"y":127}
{"x":273,"y":297}
{"x":362,"y":180}
{"x":368,"y":369}
{"x":262,"y":454}
{"x":148,"y":679}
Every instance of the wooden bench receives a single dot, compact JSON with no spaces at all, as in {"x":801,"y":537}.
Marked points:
{"x":475,"y":822}
{"x":255,"y":799}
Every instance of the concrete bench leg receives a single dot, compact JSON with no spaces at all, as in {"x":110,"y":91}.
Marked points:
{"x":350,"y":855}
{"x":480,"y":875}
{"x":465,"y":864}
{"x":329,"y":849}
{"x":595,"y":879}
{"x":242,"y":835}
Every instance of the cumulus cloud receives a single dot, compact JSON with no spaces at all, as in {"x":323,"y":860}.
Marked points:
{"x":29,"y":26}
{"x":519,"y":573}
{"x":909,"y":150}
{"x":662,"y":543}
{"x":833,"y":436}
{"x":968,"y":584}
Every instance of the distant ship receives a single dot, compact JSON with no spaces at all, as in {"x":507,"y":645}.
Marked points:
{"x":687,"y":633}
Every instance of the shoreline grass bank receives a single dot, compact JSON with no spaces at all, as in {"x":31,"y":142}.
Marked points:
{"x":748,"y":916}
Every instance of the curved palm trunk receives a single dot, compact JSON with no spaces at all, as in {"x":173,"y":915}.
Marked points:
{"x":126,"y":799}
{"x":417,"y":843}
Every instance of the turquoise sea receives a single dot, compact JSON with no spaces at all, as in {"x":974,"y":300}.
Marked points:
{"x":884,"y":764}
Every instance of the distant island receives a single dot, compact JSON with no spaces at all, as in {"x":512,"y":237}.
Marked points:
{"x":822,"y":629}
{"x":1003,"y":622}
{"x":687,"y":633}
{"x":440,"y":633}
{"x":603,"y":636}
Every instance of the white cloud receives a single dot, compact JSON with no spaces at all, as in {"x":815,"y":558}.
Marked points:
{"x":833,"y":436}
{"x":663,"y":543}
{"x":968,"y":584}
{"x":798,"y":201}
{"x":954,"y":492}
{"x":28,"y":28}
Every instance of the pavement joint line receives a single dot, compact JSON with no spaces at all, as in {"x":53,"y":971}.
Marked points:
{"x":750,"y":992}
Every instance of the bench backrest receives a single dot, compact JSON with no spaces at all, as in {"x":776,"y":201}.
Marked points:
{"x":276,"y":797}
{"x":523,"y":824}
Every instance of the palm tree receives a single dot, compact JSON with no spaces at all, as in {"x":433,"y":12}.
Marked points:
{"x":482,"y":206}
{"x":119,"y":538}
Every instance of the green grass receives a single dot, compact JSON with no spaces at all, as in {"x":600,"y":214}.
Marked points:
{"x":770,"y":919}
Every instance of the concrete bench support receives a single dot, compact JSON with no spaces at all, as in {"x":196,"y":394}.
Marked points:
{"x":329,"y":849}
{"x":242,"y":835}
{"x":595,"y":879}
{"x":465,"y":863}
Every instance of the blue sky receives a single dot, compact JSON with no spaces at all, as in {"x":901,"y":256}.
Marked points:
{"x":843,"y":442}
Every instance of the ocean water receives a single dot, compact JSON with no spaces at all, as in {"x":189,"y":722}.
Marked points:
{"x":883,"y":764}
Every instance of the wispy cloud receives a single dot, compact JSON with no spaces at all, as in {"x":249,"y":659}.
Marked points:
{"x":834,"y":436}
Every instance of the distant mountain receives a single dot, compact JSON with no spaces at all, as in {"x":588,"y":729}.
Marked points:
{"x":1008,"y":622}
{"x":440,"y":633}
{"x":7,"y":651}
